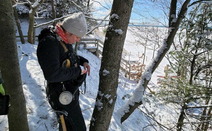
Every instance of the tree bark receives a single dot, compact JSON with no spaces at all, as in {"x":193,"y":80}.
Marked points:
{"x":53,"y":9}
{"x":9,"y":66}
{"x":134,"y":101}
{"x":31,"y":29}
{"x":18,"y":25}
{"x":172,"y":13}
{"x":109,"y":71}
{"x":181,"y":118}
{"x":205,"y":116}
{"x":209,"y":114}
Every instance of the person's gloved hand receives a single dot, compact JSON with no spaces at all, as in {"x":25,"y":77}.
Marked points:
{"x":86,"y":68}
{"x":2,"y":90}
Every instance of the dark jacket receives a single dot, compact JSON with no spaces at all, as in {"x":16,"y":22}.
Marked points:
{"x":51,"y":55}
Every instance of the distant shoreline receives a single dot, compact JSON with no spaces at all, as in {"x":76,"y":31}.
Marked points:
{"x":141,"y":25}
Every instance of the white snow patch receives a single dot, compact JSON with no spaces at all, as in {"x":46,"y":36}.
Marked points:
{"x":99,"y":104}
{"x":111,"y":101}
{"x":107,"y":96}
{"x":119,"y":31}
{"x":105,"y":72}
{"x":114,"y":16}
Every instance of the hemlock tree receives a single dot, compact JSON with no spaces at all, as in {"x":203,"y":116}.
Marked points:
{"x":188,"y":79}
{"x":9,"y":65}
{"x":109,"y":71}
{"x":136,"y":99}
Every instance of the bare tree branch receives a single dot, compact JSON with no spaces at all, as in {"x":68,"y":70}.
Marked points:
{"x":198,"y":1}
{"x":98,"y":24}
{"x":79,"y":7}
{"x":151,"y":117}
{"x":52,"y":21}
{"x":101,"y":5}
{"x":202,"y":106}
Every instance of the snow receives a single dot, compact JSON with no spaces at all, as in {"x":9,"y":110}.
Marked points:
{"x":119,"y":31}
{"x":36,"y":3}
{"x":174,"y":19}
{"x":42,"y":118}
{"x":107,"y":96}
{"x":99,"y":104}
{"x":114,"y":16}
{"x":21,"y":9}
{"x":106,"y":72}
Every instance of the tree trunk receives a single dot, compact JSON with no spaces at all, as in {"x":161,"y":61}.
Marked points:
{"x":9,"y":65}
{"x":205,"y":116}
{"x":109,"y":71}
{"x":53,"y":9}
{"x":181,"y":118}
{"x":209,"y":116}
{"x":60,"y":8}
{"x":172,"y":13}
{"x":88,"y":6}
{"x":136,"y":99}
{"x":18,"y":26}
{"x":31,"y":30}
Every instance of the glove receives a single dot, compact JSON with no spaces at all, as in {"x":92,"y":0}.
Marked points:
{"x":2,"y":89}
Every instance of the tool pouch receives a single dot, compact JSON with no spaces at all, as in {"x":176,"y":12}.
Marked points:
{"x":4,"y":104}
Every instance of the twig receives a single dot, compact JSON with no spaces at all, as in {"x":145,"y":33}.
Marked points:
{"x":202,"y":106}
{"x":162,"y":126}
{"x":188,"y":119}
{"x":97,"y":25}
{"x":52,"y":21}
{"x":77,"y":5}
{"x":195,"y":2}
{"x":101,"y":4}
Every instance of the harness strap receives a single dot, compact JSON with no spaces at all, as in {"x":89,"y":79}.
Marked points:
{"x":64,"y":46}
{"x":67,"y":64}
{"x":84,"y":87}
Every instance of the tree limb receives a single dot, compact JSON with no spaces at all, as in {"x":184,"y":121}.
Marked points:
{"x":98,"y":24}
{"x":101,"y":4}
{"x":133,"y":103}
{"x":198,"y":1}
{"x":202,"y":106}
{"x":151,"y":117}
{"x":52,"y":21}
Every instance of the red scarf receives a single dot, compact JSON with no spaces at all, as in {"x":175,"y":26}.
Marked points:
{"x":61,"y":33}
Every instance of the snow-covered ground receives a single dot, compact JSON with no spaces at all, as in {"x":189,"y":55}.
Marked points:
{"x":42,"y":118}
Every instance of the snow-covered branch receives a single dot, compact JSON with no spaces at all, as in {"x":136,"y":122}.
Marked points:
{"x":202,"y":106}
{"x":37,"y":3}
{"x":136,"y":99}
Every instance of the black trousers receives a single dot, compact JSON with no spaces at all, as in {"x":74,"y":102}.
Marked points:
{"x":74,"y":120}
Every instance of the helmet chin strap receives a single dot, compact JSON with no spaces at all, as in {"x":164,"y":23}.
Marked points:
{"x":61,"y":33}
